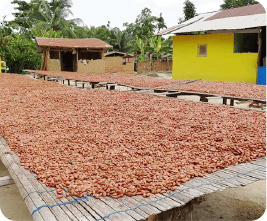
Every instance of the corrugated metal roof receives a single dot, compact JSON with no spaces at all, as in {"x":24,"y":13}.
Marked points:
{"x":115,"y":52}
{"x":92,"y":43}
{"x":197,"y":18}
{"x":241,"y":11}
{"x":246,"y":17}
{"x":168,"y":30}
{"x":119,"y":53}
{"x":231,"y":23}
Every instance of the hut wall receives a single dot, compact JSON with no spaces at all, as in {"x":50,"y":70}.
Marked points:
{"x":53,"y":65}
{"x":92,"y":66}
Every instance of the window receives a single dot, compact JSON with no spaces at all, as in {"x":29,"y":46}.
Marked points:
{"x":202,"y":50}
{"x":246,"y":43}
{"x":54,"y":54}
{"x":88,"y":55}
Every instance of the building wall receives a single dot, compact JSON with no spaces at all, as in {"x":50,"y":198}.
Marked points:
{"x":115,"y":64}
{"x":106,"y":64}
{"x":144,"y":66}
{"x":129,"y":68}
{"x":53,"y":65}
{"x":91,"y":66}
{"x":221,"y":64}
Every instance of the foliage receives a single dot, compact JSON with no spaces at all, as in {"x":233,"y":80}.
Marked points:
{"x":237,"y":3}
{"x":102,"y":32}
{"x":154,"y":48}
{"x":119,"y":39}
{"x":48,"y":15}
{"x":155,"y":44}
{"x":141,"y":47}
{"x":145,"y":24}
{"x":41,"y":32}
{"x":189,"y":11}
{"x":20,"y":53}
{"x":167,"y":47}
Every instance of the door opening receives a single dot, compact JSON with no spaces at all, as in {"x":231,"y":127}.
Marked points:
{"x":68,"y":61}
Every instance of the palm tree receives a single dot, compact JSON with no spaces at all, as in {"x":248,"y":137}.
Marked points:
{"x":120,"y":40}
{"x":47,"y":15}
{"x":52,"y":15}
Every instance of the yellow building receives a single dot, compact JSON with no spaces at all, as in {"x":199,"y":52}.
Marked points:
{"x":212,"y":57}
{"x":228,"y":45}
{"x":79,"y":55}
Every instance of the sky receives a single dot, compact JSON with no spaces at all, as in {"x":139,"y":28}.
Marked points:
{"x":99,"y":12}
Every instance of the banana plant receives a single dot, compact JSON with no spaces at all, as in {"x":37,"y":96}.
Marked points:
{"x":141,"y":46}
{"x":155,"y":44}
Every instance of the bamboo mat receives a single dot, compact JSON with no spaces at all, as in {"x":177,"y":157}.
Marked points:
{"x":43,"y":204}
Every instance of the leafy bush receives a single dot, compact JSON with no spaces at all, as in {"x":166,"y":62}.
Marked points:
{"x":20,"y":53}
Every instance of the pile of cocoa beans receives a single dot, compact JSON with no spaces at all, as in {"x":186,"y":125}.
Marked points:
{"x":116,"y":143}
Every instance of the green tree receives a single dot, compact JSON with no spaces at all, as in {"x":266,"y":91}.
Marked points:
{"x":145,"y":24}
{"x":237,"y":3}
{"x":49,"y":15}
{"x":189,"y":10}
{"x":119,"y":40}
{"x":53,"y":14}
{"x":167,"y":47}
{"x":5,"y":29}
{"x":25,"y":14}
{"x":20,"y":53}
{"x":141,"y":49}
{"x":102,"y":32}
{"x":155,"y":44}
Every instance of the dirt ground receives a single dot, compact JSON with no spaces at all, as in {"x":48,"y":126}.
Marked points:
{"x":11,"y":202}
{"x":241,"y":203}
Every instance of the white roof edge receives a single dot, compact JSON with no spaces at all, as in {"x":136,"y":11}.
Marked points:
{"x":197,"y":18}
{"x":229,"y":23}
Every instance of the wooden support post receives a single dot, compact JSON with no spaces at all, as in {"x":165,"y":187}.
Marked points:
{"x":232,"y":102}
{"x":93,"y":84}
{"x":6,"y":180}
{"x":110,"y":86}
{"x":225,"y":101}
{"x":203,"y":99}
{"x":172,"y":95}
{"x":68,"y":82}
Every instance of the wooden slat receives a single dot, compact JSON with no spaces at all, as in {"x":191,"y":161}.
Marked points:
{"x":131,"y":204}
{"x":168,"y":201}
{"x":23,"y":184}
{"x":26,"y":188}
{"x":6,"y":180}
{"x":148,"y":209}
{"x":141,"y":200}
{"x":206,"y":183}
{"x":47,"y":197}
{"x":129,"y":215}
{"x":71,"y":210}
{"x":103,"y":209}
